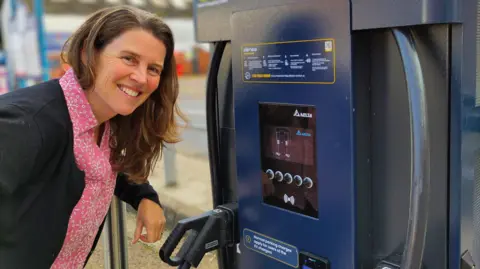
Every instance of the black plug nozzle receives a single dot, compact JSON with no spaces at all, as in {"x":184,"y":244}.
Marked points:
{"x":193,"y":223}
{"x":210,"y":231}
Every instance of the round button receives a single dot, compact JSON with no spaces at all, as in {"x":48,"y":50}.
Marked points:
{"x":279,"y":176}
{"x":270,"y":174}
{"x":308,"y":182}
{"x":298,"y":180}
{"x":288,"y":178}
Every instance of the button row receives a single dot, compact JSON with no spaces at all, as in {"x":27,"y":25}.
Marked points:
{"x":287,"y":177}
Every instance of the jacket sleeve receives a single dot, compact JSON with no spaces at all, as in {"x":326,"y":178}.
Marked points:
{"x":20,"y":144}
{"x":132,"y":193}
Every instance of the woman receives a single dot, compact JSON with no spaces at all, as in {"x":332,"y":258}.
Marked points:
{"x":68,"y":145}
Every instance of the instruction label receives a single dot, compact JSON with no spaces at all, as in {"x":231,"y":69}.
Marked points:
{"x":271,"y":248}
{"x":210,"y":3}
{"x":306,"y":61}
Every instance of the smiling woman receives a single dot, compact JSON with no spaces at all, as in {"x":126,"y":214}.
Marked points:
{"x":124,"y":61}
{"x":75,"y":142}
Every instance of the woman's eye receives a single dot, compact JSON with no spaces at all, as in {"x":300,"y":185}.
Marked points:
{"x":128,"y":59}
{"x":155,"y":71}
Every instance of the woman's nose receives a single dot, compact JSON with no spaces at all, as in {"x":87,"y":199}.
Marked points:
{"x":139,"y":75}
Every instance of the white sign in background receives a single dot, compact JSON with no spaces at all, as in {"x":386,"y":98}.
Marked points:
{"x":22,"y":45}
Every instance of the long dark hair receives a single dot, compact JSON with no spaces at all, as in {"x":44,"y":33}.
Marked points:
{"x":138,"y":139}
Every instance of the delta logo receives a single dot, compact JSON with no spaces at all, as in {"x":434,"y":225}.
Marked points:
{"x":302,"y":115}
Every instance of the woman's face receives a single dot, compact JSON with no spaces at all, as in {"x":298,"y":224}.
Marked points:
{"x":128,"y":72}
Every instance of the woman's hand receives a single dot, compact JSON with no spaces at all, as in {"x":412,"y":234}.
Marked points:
{"x":150,"y":216}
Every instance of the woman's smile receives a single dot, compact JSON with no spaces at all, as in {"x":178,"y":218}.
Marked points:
{"x":130,"y":92}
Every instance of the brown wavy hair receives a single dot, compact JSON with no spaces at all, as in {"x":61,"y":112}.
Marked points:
{"x":137,"y":140}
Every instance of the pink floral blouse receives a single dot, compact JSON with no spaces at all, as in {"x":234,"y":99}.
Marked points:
{"x":93,"y":160}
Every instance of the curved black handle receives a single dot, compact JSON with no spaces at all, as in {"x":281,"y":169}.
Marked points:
{"x":193,"y":224}
{"x":185,"y":265}
{"x":212,"y":119}
{"x":420,"y":154}
{"x":170,"y":244}
{"x":187,"y":245}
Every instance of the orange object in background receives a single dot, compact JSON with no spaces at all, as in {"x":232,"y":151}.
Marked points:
{"x":57,"y":66}
{"x":179,"y":70}
{"x":203,"y":60}
{"x":181,"y":62}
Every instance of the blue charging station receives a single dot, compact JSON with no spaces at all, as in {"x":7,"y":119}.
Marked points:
{"x":342,"y":135}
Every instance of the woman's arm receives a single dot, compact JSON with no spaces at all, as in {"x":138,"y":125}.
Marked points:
{"x":150,"y":214}
{"x":132,"y":193}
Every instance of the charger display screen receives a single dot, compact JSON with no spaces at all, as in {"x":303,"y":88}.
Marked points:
{"x":288,"y":156}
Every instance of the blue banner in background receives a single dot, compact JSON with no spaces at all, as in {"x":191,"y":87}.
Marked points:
{"x":55,"y":41}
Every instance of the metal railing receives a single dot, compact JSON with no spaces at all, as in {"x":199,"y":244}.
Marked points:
{"x":169,"y":161}
{"x":114,"y":236}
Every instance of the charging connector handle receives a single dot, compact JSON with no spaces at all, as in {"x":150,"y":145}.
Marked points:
{"x":211,"y":237}
{"x":183,"y":226}
{"x":219,"y":231}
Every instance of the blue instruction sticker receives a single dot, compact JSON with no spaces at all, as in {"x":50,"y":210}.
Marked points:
{"x":271,"y":248}
{"x":305,"y":61}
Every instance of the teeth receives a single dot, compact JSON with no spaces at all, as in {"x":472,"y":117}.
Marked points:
{"x":129,"y":92}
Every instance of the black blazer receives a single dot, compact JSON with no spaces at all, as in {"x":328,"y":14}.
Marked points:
{"x":40,"y":182}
